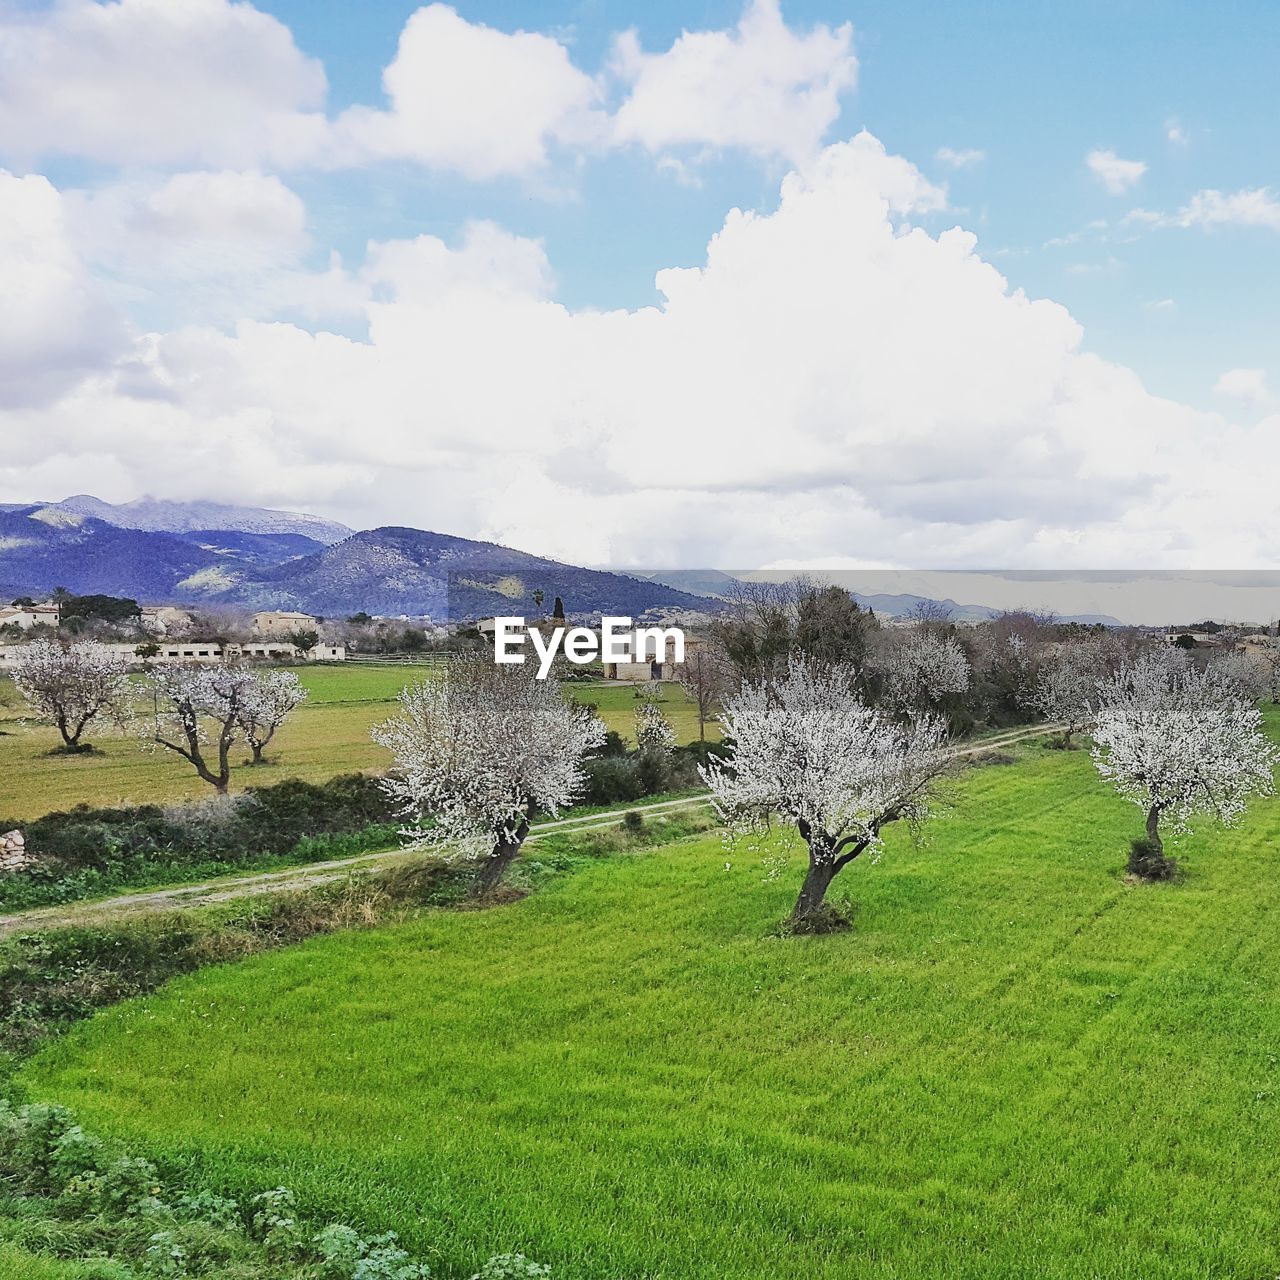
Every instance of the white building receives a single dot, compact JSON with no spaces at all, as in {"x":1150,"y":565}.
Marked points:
{"x":28,"y":616}
{"x":198,"y":651}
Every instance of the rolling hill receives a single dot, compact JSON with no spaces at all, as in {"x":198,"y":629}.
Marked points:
{"x":392,"y":571}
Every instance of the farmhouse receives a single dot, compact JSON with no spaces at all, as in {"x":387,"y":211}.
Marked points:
{"x":159,"y":618}
{"x":28,"y":616}
{"x":282,"y":622}
{"x":205,"y":651}
{"x":652,"y":666}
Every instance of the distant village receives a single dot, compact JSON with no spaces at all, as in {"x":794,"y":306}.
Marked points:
{"x":151,"y":634}
{"x":166,"y":634}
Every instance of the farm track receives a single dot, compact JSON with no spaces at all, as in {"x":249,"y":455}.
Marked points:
{"x":255,"y":884}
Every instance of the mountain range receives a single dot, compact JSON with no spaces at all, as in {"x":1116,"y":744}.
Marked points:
{"x":208,"y":554}
{"x":215,"y":554}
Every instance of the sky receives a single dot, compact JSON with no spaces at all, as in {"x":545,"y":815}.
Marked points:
{"x":830,"y":284}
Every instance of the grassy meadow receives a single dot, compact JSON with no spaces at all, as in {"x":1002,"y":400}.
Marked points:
{"x":1015,"y":1065}
{"x":327,"y":735}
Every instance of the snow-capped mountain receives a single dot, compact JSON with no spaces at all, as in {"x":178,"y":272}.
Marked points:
{"x":159,"y":515}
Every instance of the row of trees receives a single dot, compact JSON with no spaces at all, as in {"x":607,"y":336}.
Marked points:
{"x":479,"y":751}
{"x":198,"y":713}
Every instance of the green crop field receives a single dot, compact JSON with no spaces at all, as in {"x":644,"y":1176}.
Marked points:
{"x":1015,"y":1065}
{"x":327,"y":735}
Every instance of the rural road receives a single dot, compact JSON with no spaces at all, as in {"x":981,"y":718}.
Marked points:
{"x":229,"y":888}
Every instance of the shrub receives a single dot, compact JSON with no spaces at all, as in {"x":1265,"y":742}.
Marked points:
{"x":612,"y":780}
{"x":114,"y":1204}
{"x":633,"y":820}
{"x":86,"y":851}
{"x":511,"y":1266}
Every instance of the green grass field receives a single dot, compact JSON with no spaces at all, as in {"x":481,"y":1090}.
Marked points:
{"x":17,"y":1265}
{"x":1016,"y":1065}
{"x":328,"y":735}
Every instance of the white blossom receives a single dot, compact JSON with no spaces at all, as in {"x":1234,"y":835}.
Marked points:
{"x":809,"y":750}
{"x":189,"y":708}
{"x":269,"y":699}
{"x":477,"y":749}
{"x":923,"y":667}
{"x":653,"y":729}
{"x":1255,"y":672}
{"x":1065,"y":689}
{"x":1179,"y":741}
{"x":71,"y":685}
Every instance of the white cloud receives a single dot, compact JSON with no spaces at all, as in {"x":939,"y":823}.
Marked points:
{"x":187,"y":216}
{"x":1246,"y":386}
{"x":761,"y":86}
{"x":55,"y":324}
{"x":833,"y":381}
{"x":1255,"y":208}
{"x":1209,"y":209}
{"x":489,"y":261}
{"x":1115,"y":174}
{"x":155,"y":82}
{"x":963,"y":159}
{"x":219,"y":84}
{"x":1175,"y":133}
{"x":196,"y":246}
{"x":469,"y":98}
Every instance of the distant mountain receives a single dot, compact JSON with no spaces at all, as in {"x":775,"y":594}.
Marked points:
{"x":201,"y":552}
{"x":700,"y":582}
{"x":715,"y":582}
{"x":157,"y":515}
{"x":42,"y":548}
{"x":391,"y":571}
{"x":411,"y":571}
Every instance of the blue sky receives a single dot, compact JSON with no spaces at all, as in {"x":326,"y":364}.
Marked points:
{"x":482,"y":269}
{"x":1034,"y":85}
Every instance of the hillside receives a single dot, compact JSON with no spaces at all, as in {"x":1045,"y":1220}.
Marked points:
{"x":394,"y":571}
{"x":397,"y":570}
{"x":1014,"y":1065}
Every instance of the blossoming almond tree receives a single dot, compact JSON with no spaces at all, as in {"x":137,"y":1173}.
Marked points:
{"x":653,"y":729}
{"x":270,"y":699}
{"x":809,"y":750}
{"x":477,"y":750}
{"x":1179,"y":742}
{"x":922,"y":668}
{"x":187,"y":709}
{"x":71,"y":685}
{"x":1066,"y":687}
{"x":1254,"y":671}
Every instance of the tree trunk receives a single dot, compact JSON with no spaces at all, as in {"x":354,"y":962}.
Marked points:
{"x":1153,"y":829}
{"x":70,"y":740}
{"x":494,"y":868}
{"x":257,"y":752}
{"x":814,"y":890}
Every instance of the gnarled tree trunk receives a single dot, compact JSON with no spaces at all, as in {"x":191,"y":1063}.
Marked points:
{"x":494,"y":868}
{"x":813,"y":892}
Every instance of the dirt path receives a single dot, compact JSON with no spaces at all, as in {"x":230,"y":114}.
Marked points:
{"x":229,"y":888}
